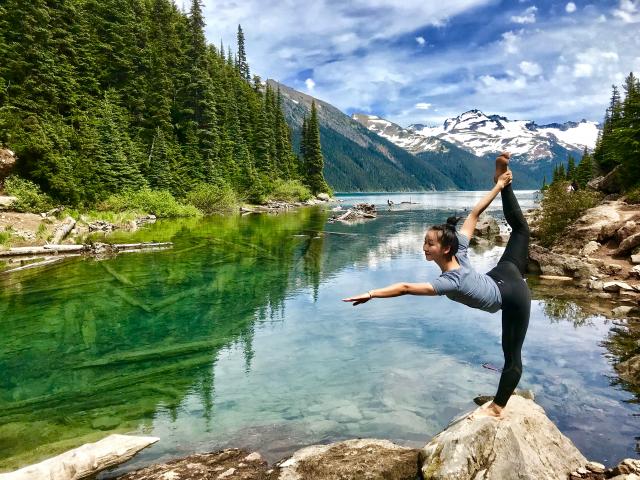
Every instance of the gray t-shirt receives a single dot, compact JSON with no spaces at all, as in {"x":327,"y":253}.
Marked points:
{"x":465,"y":285}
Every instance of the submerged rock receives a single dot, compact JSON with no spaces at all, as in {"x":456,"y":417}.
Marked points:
{"x":231,"y":464}
{"x":369,"y":459}
{"x":524,"y":444}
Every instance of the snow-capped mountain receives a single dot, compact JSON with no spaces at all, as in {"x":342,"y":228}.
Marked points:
{"x":482,"y":135}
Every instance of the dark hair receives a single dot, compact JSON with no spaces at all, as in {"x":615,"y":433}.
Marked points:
{"x":447,"y":235}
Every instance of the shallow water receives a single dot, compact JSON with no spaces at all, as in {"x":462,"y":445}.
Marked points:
{"x":237,"y":337}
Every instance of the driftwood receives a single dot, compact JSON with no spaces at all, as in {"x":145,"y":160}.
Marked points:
{"x":95,"y":248}
{"x":361,"y":210}
{"x":83,"y":461}
{"x":43,"y":250}
{"x":63,"y":229}
{"x":45,"y":261}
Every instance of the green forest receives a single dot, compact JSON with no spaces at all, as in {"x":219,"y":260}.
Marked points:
{"x":617,"y":147}
{"x":111,"y":97}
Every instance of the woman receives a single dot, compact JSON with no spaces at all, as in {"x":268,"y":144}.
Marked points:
{"x":503,"y":287}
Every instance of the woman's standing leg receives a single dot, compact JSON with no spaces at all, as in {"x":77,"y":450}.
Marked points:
{"x":515,"y":321}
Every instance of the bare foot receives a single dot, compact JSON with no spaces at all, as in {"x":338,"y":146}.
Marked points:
{"x":491,"y":410}
{"x":502,"y":164}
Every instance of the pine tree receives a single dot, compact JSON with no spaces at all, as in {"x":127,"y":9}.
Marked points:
{"x":243,"y":66}
{"x":314,"y":161}
{"x":571,"y":168}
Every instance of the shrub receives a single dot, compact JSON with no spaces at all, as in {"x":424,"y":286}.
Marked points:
{"x":5,"y":237}
{"x":213,"y":198}
{"x":290,"y":191}
{"x":29,"y":196}
{"x":157,"y":202}
{"x":560,"y":208}
{"x":633,"y":195}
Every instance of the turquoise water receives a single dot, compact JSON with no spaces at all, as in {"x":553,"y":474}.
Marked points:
{"x":237,"y":337}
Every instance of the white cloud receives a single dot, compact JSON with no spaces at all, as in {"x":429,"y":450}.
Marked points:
{"x":581,"y":70}
{"x":531,"y":69}
{"x":423,"y":106}
{"x":528,"y":16}
{"x":570,"y":8}
{"x":354,"y":67}
{"x":420,"y":40}
{"x":627,"y":11}
{"x":511,"y":41}
{"x":310,"y":84}
{"x":489,"y":83}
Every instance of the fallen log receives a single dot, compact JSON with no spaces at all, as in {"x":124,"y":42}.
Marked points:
{"x":125,"y":246}
{"x":43,"y":250}
{"x":86,"y":460}
{"x":46,"y":261}
{"x":63,"y":229}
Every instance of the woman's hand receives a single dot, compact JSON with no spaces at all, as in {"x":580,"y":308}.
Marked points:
{"x":358,"y":299}
{"x":504,"y":179}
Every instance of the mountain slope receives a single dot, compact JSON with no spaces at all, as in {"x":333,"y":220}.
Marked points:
{"x":466,"y":145}
{"x":357,"y":159}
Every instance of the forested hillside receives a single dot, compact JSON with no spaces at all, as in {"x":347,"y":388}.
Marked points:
{"x":357,"y":159}
{"x":101,"y":97}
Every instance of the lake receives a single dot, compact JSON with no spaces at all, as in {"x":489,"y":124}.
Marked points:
{"x":237,"y":337}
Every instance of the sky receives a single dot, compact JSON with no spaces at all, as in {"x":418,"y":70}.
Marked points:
{"x":422,"y":61}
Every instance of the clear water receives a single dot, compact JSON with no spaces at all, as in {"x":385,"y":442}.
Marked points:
{"x":237,"y":337}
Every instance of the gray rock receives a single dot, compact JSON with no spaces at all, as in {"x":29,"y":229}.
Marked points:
{"x":352,"y":459}
{"x":595,"y":467}
{"x":323,"y":196}
{"x":609,"y":183}
{"x":612,"y":268}
{"x":621,"y":311}
{"x":487,"y":226}
{"x":590,"y":248}
{"x":635,"y":259}
{"x":231,"y":464}
{"x":628,"y":244}
{"x":485,"y":448}
{"x":626,"y":230}
{"x":616,"y":286}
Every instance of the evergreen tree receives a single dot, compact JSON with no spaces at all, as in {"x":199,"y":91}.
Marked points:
{"x":584,"y":170}
{"x":243,"y":66}
{"x":314,"y":162}
{"x":571,"y":168}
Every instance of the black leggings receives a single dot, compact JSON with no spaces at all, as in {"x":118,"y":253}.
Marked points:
{"x":516,"y":298}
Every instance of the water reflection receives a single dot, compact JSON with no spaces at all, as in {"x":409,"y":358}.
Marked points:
{"x":237,"y":337}
{"x":103,"y":345}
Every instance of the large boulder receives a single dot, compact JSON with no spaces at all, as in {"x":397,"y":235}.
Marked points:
{"x":369,"y":459}
{"x":487,"y":227}
{"x":609,"y":183}
{"x":544,"y":261}
{"x":523,"y":445}
{"x":7,"y":163}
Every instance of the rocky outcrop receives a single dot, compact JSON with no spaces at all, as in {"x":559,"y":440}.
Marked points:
{"x":84,"y":461}
{"x":7,"y":163}
{"x":524,"y":444}
{"x":230,"y":464}
{"x":352,"y":459}
{"x":628,"y":469}
{"x":609,"y":183}
{"x":543,"y":261}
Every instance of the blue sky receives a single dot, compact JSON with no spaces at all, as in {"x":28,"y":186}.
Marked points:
{"x":422,"y":61}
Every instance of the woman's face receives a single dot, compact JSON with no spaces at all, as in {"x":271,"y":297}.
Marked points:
{"x":432,"y":248}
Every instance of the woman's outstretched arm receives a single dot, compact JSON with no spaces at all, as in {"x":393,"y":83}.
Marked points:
{"x":469,"y":224}
{"x":394,"y":290}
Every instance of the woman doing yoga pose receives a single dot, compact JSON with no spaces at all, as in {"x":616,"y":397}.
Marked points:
{"x":503,"y":287}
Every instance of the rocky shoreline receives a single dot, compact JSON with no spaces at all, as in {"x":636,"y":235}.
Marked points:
{"x":470,"y":448}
